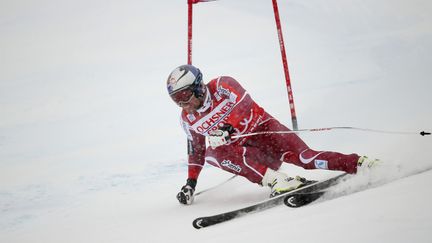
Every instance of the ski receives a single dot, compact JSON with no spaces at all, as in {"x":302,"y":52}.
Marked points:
{"x":297,"y":200}
{"x":300,"y":199}
{"x":202,"y":222}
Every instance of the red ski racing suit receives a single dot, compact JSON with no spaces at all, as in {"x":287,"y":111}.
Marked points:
{"x":226,"y":102}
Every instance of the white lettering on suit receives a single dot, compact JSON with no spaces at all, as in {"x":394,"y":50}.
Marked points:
{"x":220,"y":112}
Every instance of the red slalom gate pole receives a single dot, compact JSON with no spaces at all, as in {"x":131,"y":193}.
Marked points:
{"x":190,"y":16}
{"x":189,"y":42}
{"x":285,"y":66}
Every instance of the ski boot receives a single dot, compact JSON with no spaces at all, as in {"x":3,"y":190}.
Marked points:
{"x":281,"y":183}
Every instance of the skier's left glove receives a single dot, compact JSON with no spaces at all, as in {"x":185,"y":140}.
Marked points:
{"x":186,"y":194}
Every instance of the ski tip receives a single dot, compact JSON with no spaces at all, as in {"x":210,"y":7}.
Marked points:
{"x":297,"y":200}
{"x":291,"y":201}
{"x":197,"y":223}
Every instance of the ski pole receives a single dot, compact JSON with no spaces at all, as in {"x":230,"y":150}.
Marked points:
{"x":213,"y":187}
{"x":422,"y":133}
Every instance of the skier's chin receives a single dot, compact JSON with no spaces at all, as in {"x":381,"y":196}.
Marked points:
{"x":191,"y":109}
{"x":193,"y":106}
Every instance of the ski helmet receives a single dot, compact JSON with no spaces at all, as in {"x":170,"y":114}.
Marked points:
{"x":185,"y":81}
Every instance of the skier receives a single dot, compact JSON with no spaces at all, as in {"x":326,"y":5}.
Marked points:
{"x":222,"y":109}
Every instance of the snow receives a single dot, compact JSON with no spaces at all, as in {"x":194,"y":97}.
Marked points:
{"x":90,"y":145}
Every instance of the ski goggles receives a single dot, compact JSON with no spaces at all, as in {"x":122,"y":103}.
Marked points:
{"x":182,"y":97}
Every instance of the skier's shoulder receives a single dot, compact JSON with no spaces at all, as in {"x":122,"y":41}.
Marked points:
{"x":225,"y":82}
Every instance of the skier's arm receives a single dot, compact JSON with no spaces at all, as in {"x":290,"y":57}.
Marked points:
{"x":196,"y":154}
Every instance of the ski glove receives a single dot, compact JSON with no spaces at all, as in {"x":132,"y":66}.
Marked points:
{"x":186,"y":194}
{"x":218,"y":138}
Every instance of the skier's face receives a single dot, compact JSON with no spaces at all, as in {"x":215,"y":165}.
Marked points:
{"x":191,"y":106}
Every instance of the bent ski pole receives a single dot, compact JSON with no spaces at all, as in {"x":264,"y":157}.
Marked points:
{"x":213,"y":187}
{"x":422,"y":133}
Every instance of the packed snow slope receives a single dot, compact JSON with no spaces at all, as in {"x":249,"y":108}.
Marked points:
{"x":90,"y":145}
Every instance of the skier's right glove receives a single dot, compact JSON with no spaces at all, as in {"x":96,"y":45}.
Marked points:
{"x":218,"y":138}
{"x":186,"y":194}
{"x":221,"y":136}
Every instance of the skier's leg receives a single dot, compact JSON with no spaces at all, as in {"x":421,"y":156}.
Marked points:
{"x":238,"y":160}
{"x":327,"y":160}
{"x":290,"y":148}
{"x":244,"y":161}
